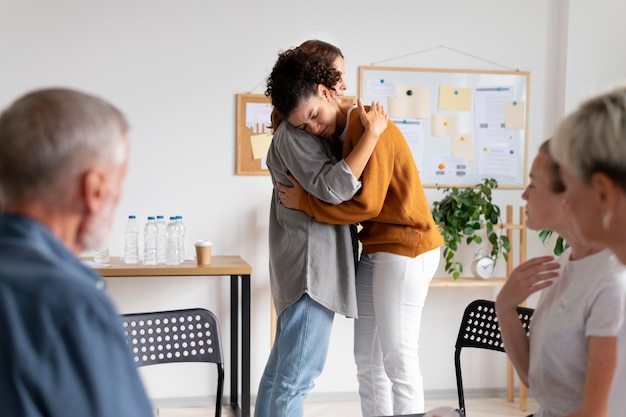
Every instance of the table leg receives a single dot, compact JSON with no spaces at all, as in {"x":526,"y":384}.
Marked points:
{"x":244,"y":410}
{"x":245,"y":346}
{"x":234,"y":343}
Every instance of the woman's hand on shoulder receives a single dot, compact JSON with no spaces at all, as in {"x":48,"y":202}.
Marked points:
{"x":375,"y":119}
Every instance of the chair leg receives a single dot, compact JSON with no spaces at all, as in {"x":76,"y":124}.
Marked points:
{"x":459,"y":381}
{"x":220,"y":390}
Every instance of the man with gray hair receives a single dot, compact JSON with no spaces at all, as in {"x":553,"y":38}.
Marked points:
{"x":63,"y":156}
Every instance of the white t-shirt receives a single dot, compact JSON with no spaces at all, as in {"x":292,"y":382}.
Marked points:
{"x":587,"y":299}
{"x":617,"y":399}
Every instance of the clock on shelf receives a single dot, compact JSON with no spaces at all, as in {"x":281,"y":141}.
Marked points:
{"x":483,"y":266}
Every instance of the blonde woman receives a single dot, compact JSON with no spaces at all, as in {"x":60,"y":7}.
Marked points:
{"x":590,"y":146}
{"x":569,"y":358}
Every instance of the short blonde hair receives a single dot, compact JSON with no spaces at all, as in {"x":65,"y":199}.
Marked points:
{"x":593,"y":138}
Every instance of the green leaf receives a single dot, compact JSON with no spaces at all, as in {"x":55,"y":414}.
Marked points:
{"x":544,"y":235}
{"x":559,"y":247}
{"x":504,"y":240}
{"x":468,"y":230}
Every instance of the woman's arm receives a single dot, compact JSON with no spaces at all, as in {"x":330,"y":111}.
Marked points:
{"x":601,"y":364}
{"x":390,"y":157}
{"x":374,"y":122}
{"x":309,"y":159}
{"x":529,"y":277}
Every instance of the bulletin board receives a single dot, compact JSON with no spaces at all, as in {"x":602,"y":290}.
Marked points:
{"x":254,"y":133}
{"x":462,"y":125}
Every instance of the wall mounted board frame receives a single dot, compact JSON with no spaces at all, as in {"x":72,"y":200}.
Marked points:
{"x":254,"y":133}
{"x":462,"y":125}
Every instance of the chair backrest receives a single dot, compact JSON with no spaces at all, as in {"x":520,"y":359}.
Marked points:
{"x":479,"y":329}
{"x":189,"y":335}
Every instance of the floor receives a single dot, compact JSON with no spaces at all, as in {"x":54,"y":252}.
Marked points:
{"x":476,"y":407}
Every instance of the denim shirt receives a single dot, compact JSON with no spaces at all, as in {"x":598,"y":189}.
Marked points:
{"x":62,"y":347}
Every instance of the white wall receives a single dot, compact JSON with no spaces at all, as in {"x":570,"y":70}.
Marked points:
{"x":595,"y":42}
{"x":175,"y":67}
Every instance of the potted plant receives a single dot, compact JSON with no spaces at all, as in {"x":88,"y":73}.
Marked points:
{"x":461,"y":213}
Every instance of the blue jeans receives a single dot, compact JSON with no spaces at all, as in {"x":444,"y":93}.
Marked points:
{"x":297,"y":358}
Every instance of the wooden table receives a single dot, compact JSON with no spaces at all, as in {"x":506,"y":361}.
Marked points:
{"x":238,"y":269}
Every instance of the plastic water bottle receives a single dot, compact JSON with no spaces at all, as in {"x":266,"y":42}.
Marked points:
{"x":161,"y":239}
{"x":131,"y":241}
{"x":150,"y":232}
{"x":171,"y":248}
{"x":181,"y":239}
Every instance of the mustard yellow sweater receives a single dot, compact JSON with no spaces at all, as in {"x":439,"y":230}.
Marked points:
{"x":391,"y":206}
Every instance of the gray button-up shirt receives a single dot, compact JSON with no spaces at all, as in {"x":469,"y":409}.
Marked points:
{"x":307,"y":256}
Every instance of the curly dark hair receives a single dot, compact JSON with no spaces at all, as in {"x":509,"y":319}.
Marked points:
{"x":295,"y":77}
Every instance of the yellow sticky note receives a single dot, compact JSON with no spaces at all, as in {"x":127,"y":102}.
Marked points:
{"x":463,"y":145}
{"x":444,"y":124}
{"x":260,"y":145}
{"x":410,"y":102}
{"x":514,"y":115}
{"x":455,"y":98}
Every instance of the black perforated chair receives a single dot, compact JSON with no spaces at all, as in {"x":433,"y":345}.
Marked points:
{"x":190,"y":335}
{"x":479,"y":329}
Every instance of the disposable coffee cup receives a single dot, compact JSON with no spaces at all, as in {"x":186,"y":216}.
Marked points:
{"x":203,"y":252}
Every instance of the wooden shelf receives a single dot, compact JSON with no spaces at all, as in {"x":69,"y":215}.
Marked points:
{"x":466,"y":282}
{"x":220,"y":265}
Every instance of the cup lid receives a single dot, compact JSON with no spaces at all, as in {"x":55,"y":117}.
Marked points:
{"x":204,"y":243}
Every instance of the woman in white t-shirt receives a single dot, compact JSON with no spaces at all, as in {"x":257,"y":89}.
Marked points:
{"x":590,"y":146}
{"x":569,"y":358}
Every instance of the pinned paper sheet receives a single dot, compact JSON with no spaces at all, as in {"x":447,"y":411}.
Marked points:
{"x":455,"y":98}
{"x":410,"y":102}
{"x":449,"y":167}
{"x":258,"y":116}
{"x":514,"y":115}
{"x":413,"y":131}
{"x":380,"y":88}
{"x":497,"y":161}
{"x":260,"y":145}
{"x":444,"y":125}
{"x":463,"y":145}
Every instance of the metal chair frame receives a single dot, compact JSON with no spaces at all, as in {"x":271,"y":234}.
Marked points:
{"x":188,"y":335}
{"x":479,"y":329}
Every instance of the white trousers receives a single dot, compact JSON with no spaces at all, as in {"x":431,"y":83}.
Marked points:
{"x":391,"y":291}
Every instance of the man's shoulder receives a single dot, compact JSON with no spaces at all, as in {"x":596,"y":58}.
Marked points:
{"x":58,"y":285}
